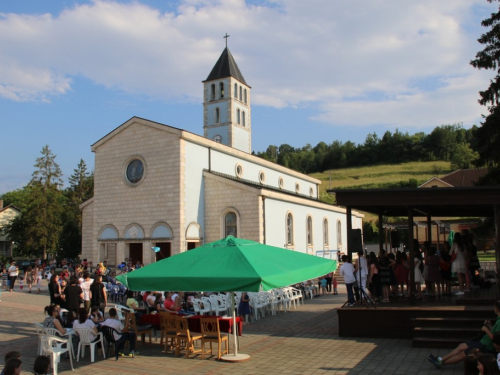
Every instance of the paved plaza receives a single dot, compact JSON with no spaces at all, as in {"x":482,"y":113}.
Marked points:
{"x":302,"y":341}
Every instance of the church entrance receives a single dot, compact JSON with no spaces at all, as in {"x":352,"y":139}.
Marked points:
{"x":135,"y":252}
{"x":192,"y":245}
{"x":165,"y":250}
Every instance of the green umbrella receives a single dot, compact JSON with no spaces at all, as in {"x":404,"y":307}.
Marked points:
{"x":229,"y":265}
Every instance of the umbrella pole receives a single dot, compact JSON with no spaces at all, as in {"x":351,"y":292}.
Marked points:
{"x":236,"y":357}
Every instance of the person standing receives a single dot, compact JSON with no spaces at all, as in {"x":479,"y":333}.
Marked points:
{"x":329,"y":279}
{"x":347,"y":270}
{"x":73,"y":294}
{"x":85,"y":285}
{"x":13,"y":273}
{"x":38,"y":275}
{"x":30,"y":277}
{"x":98,"y":295}
{"x":361,"y":270}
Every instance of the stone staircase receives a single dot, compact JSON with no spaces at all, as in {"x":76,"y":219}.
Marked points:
{"x":446,"y":328}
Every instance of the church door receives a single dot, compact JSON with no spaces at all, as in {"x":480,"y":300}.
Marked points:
{"x":135,"y":253}
{"x":165,"y":250}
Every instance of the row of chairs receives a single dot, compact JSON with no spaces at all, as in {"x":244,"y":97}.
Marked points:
{"x":178,"y":338}
{"x":261,"y":302}
{"x":52,"y":344}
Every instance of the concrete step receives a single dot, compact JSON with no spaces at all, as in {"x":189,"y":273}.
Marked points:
{"x":448,"y":322}
{"x":449,"y":333}
{"x":439,"y":343}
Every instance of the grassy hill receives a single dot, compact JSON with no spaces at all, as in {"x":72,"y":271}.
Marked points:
{"x":379,"y":176}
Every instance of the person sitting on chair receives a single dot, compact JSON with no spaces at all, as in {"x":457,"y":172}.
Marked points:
{"x":119,"y":335}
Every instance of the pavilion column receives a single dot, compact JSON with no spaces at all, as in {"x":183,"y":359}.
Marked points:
{"x":380,"y":231}
{"x":429,"y":230}
{"x":348,"y":214}
{"x":412,"y":256}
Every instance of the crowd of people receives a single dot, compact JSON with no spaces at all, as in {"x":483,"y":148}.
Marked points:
{"x":387,"y":275}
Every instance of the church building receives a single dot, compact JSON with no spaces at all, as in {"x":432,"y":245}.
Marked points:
{"x":160,"y":186}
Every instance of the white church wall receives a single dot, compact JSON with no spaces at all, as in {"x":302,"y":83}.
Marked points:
{"x":196,"y":159}
{"x":225,"y":163}
{"x":275,"y":219}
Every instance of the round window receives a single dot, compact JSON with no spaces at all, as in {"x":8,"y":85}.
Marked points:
{"x":262,"y":177}
{"x":135,"y":171}
{"x":238,"y":170}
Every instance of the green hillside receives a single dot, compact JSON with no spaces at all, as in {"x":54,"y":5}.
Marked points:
{"x":380,"y":176}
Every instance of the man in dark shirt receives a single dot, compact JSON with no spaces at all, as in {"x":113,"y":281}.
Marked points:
{"x":73,"y":294}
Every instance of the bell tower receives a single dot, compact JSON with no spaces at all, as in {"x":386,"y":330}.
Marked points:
{"x":226,"y":105}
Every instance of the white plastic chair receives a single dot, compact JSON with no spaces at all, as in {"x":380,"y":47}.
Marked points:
{"x":208,"y":304}
{"x":199,"y":309}
{"x":39,"y":332}
{"x":86,"y":339}
{"x":121,"y":310}
{"x":218,"y":304}
{"x":55,"y":351}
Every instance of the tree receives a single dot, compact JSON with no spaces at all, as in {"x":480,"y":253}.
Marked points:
{"x":81,"y":188}
{"x":42,"y":214}
{"x":463,"y":156}
{"x":489,"y":58}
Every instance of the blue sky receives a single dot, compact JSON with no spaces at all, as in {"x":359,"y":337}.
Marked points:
{"x":71,"y":71}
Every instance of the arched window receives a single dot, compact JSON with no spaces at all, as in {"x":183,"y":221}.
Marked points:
{"x":289,"y":229}
{"x":221,"y":89}
{"x":217,"y":115}
{"x":236,"y":90}
{"x":243,"y":117}
{"x":309,"y":229}
{"x":241,"y":96}
{"x":245,"y":96}
{"x":325,"y":232}
{"x":212,"y":95}
{"x":238,"y":116}
{"x":339,"y":233}
{"x":231,"y":224}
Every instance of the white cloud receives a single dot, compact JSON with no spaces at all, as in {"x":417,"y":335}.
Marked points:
{"x":333,"y":54}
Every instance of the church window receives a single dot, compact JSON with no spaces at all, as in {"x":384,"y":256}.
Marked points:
{"x":238,"y":116}
{"x":297,"y":187}
{"x":238,"y":170}
{"x":309,"y":231}
{"x":236,"y":90}
{"x":217,"y":115}
{"x":134,"y":171}
{"x":221,"y":89}
{"x":280,"y":182}
{"x":231,"y":224}
{"x":243,"y":117}
{"x":241,"y":96}
{"x":289,"y":229}
{"x":262,"y":177}
{"x":311,"y":191}
{"x":245,"y":96}
{"x":325,"y":232}
{"x":339,"y":233}
{"x":212,"y":95}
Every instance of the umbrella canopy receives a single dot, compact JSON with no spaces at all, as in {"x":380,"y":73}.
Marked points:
{"x":229,"y":265}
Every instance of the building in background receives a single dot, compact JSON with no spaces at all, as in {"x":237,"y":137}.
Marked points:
{"x":159,"y":186}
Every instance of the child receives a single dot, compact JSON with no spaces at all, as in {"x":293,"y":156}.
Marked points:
{"x":323,"y":285}
{"x":244,"y":306}
{"x":335,"y":284}
{"x":5,"y":278}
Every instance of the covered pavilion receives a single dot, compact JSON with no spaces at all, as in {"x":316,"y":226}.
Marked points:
{"x":479,"y":202}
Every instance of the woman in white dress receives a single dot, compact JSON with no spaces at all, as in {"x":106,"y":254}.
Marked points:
{"x":419,"y":279}
{"x":458,"y":265}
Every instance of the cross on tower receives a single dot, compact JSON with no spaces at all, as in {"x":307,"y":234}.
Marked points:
{"x":225,"y":37}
